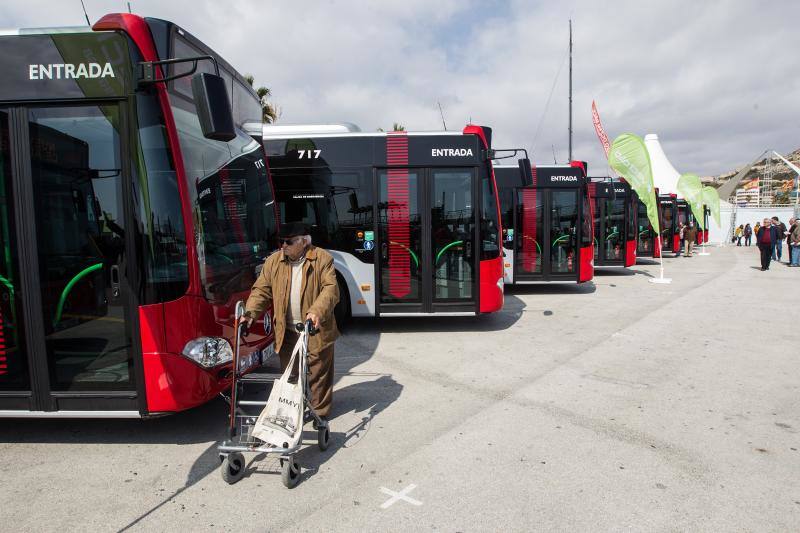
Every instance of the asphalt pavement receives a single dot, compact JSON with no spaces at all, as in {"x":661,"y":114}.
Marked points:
{"x":613,"y":405}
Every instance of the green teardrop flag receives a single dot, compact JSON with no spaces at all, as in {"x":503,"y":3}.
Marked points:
{"x":690,"y":188}
{"x":629,"y":157}
{"x":711,"y":199}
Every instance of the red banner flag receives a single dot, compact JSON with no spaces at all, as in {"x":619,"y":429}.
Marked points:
{"x":598,"y":127}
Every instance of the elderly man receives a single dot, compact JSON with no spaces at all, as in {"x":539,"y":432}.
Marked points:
{"x":767,"y":236}
{"x":299,"y":282}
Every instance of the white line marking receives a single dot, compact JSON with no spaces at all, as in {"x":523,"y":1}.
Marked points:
{"x":397,"y":496}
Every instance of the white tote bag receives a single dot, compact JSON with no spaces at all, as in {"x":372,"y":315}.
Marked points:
{"x":280,"y":424}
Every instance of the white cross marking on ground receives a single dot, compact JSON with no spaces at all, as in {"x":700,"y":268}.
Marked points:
{"x":397,"y":496}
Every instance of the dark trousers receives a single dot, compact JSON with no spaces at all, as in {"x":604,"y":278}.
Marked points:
{"x":320,"y":367}
{"x":766,"y":254}
{"x":747,"y":240}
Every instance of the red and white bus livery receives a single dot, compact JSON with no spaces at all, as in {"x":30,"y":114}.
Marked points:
{"x":547,"y":224}
{"x":135,"y":212}
{"x":615,"y":222}
{"x":411,"y":218}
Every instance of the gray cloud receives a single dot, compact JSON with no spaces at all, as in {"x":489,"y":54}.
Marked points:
{"x":715,"y":80}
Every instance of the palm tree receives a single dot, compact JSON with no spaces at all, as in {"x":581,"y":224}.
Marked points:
{"x":395,"y":127}
{"x":269,"y":112}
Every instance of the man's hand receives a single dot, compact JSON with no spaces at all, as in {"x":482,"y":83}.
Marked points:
{"x":248,"y":321}
{"x":314,"y":319}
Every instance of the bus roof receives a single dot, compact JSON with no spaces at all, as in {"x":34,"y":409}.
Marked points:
{"x":335,"y":130}
{"x":45,"y":31}
{"x":292,"y":130}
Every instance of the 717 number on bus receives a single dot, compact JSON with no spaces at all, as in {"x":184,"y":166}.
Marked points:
{"x":308,"y":154}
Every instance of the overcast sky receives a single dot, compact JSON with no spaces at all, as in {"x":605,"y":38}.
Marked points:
{"x":717,"y":81}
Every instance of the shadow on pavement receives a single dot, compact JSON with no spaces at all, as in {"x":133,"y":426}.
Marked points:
{"x":553,"y":287}
{"x":355,"y":405}
{"x":618,"y":271}
{"x":200,"y":424}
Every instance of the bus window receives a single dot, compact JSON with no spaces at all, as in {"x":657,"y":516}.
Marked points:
{"x":564,"y":223}
{"x":232,"y":199}
{"x":76,"y":169}
{"x":336,"y":205}
{"x":234,"y":208}
{"x":452,"y":234}
{"x":587,"y":232}
{"x":13,"y":356}
{"x":489,"y":224}
{"x":166,"y":274}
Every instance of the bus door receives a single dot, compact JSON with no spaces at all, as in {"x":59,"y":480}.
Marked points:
{"x":611,"y":233}
{"x":668,"y":224}
{"x":546,"y":233}
{"x":65,"y":335}
{"x":427,"y":233}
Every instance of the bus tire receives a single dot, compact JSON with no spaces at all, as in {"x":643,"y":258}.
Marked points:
{"x":342,"y":310}
{"x":233,"y":467}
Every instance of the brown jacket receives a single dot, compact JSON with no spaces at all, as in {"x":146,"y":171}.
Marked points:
{"x":690,"y":233}
{"x":794,"y":237}
{"x":319,"y":295}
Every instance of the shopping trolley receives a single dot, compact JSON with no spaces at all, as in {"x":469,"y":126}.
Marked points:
{"x":242,"y":418}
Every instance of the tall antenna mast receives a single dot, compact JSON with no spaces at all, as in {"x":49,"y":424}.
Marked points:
{"x":84,"y":14}
{"x":442,"y":114}
{"x":570,"y":89}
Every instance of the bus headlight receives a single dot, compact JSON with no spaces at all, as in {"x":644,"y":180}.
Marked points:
{"x":208,"y":351}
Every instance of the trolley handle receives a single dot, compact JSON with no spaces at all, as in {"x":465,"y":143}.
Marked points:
{"x":300,"y":327}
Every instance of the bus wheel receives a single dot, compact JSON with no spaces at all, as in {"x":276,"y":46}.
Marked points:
{"x":233,"y":467}
{"x":342,"y":310}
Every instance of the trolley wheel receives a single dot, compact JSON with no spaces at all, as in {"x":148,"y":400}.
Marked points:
{"x":290,"y":472}
{"x":323,"y":437}
{"x":233,"y":467}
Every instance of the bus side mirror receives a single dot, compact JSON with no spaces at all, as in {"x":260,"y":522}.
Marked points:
{"x":213,"y":107}
{"x":525,"y":171}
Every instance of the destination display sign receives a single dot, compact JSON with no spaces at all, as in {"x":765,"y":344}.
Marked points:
{"x":64,"y":66}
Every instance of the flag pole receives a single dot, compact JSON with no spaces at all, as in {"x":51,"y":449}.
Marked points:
{"x":704,"y":249}
{"x":660,"y":278}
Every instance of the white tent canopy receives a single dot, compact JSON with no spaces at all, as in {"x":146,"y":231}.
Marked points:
{"x":665,"y":177}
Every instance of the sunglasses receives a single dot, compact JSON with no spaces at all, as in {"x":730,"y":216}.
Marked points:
{"x":288,"y":242}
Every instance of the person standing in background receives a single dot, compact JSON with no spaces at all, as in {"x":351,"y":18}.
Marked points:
{"x":777,"y":245}
{"x":690,"y":235}
{"x":792,"y":222}
{"x":767,"y":235}
{"x":794,"y":244}
{"x":748,"y":234}
{"x":738,"y":235}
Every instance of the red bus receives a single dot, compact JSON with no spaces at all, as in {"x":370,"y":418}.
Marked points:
{"x":668,"y":211}
{"x":615,"y":208}
{"x":646,"y":238}
{"x":702,"y":235}
{"x":411,"y":218}
{"x":128,"y":138}
{"x":547,"y":224}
